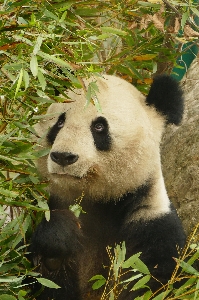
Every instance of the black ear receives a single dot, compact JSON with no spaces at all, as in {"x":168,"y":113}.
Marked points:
{"x":167,"y":97}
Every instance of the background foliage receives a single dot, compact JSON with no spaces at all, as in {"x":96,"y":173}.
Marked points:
{"x":46,"y":47}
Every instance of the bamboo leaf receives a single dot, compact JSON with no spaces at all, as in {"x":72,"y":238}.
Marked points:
{"x":49,"y":14}
{"x":184,"y":19}
{"x":26,"y":79}
{"x":41,"y":79}
{"x":195,"y":10}
{"x":48,"y":283}
{"x":19,"y":82}
{"x":34,"y":65}
{"x":55,"y":60}
{"x":113,"y":31}
{"x":144,"y":57}
{"x":162,"y":295}
{"x":8,"y":193}
{"x":100,"y":281}
{"x":141,"y":283}
{"x":188,"y":268}
{"x":131,"y":261}
{"x":38,"y":45}
{"x":7,"y":297}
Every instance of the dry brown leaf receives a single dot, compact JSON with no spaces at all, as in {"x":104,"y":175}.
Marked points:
{"x":189,"y":32}
{"x":177,"y":25}
{"x":158,"y":21}
{"x":133,"y":25}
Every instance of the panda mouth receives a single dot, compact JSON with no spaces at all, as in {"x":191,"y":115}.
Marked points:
{"x":64,"y":174}
{"x":91,"y":172}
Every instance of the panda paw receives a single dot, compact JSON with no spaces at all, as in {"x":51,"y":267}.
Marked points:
{"x":59,"y":237}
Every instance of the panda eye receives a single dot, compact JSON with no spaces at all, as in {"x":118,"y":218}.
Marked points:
{"x":101,"y":135}
{"x":60,"y":123}
{"x":99,"y":127}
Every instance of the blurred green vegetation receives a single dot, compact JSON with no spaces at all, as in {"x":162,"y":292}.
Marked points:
{"x":48,"y":46}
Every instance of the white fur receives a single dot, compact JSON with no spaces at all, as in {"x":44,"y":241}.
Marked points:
{"x":134,"y":158}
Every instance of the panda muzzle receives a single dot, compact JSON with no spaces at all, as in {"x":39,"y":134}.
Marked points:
{"x":64,"y":158}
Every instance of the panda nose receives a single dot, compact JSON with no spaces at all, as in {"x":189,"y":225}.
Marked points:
{"x":64,"y":158}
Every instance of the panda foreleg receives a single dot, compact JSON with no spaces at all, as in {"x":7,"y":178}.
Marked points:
{"x":160,"y":241}
{"x":56,"y":245}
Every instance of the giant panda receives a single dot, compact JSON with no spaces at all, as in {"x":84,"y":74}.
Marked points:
{"x":111,"y":160}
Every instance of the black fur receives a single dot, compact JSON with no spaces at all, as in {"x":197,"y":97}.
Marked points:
{"x":101,"y":135}
{"x":160,"y":241}
{"x":55,"y":248}
{"x":104,"y":224}
{"x":51,"y":136}
{"x":167,"y":97}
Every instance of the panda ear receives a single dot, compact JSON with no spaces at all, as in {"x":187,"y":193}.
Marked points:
{"x":167,"y":97}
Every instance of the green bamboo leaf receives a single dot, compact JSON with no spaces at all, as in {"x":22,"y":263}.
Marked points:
{"x":76,"y":209}
{"x":34,"y":179}
{"x":98,"y":284}
{"x":103,"y":36}
{"x":42,"y":203}
{"x":34,"y":65}
{"x":8,"y":193}
{"x":49,"y":14}
{"x":10,"y":279}
{"x":3,"y":157}
{"x":149,"y":4}
{"x":18,"y":3}
{"x":134,"y":277}
{"x":55,"y":60}
{"x":113,"y":31}
{"x":188,"y":268}
{"x":63,"y":17}
{"x":92,"y":12}
{"x":7,"y":297}
{"x":38,"y":44}
{"x":195,"y":10}
{"x":47,"y":215}
{"x":26,"y":223}
{"x":100,"y":280}
{"x":141,"y":267}
{"x":133,"y":69}
{"x":41,"y":79}
{"x":21,"y":294}
{"x":66,"y":5}
{"x":190,"y":282}
{"x":196,"y":291}
{"x":162,"y":295}
{"x":22,"y":39}
{"x":43,"y":99}
{"x":22,"y":21}
{"x":146,"y":295}
{"x":97,"y":277}
{"x":48,"y":283}
{"x":141,"y":283}
{"x":26,"y":79}
{"x":42,"y":152}
{"x":185,"y":16}
{"x":91,"y":95}
{"x":193,"y":258}
{"x":131,"y":261}
{"x":19,"y":82}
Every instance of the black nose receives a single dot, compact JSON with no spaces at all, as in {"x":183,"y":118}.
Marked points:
{"x":64,"y":158}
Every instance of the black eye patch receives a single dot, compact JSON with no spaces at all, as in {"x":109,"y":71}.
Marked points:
{"x":101,"y":134}
{"x":51,"y":136}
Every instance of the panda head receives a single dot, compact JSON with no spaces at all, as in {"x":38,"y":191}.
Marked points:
{"x":110,"y":153}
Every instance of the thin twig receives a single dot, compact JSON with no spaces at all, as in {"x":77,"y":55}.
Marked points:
{"x":169,"y":5}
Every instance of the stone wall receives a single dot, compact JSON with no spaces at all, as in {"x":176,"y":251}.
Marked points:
{"x":180,"y":154}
